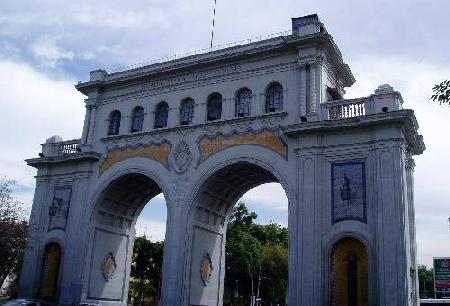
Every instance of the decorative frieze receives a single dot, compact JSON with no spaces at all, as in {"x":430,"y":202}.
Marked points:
{"x":193,"y":77}
{"x":209,"y":145}
{"x":157,"y":152}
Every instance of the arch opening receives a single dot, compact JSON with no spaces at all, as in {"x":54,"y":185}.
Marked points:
{"x":211,"y":211}
{"x":50,"y":271}
{"x":349,"y":273}
{"x":113,"y":237}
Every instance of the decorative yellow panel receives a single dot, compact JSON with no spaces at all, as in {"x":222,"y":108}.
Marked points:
{"x":158,"y":152}
{"x":270,"y":139}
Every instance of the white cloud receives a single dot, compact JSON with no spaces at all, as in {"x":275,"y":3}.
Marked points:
{"x":48,"y":53}
{"x":153,"y":229}
{"x":34,"y":108}
{"x":269,"y":196}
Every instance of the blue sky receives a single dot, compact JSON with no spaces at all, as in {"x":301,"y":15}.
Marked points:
{"x":47,"y":46}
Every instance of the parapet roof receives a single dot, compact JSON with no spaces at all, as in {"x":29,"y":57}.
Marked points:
{"x":306,"y":30}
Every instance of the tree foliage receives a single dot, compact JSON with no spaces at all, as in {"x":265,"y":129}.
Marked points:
{"x":13,"y":231}
{"x":146,"y":269}
{"x":441,"y":92}
{"x":255,"y":253}
{"x":252,"y":252}
{"x":426,"y":284}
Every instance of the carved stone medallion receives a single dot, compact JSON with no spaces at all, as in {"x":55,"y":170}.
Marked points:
{"x":109,"y":267}
{"x":206,"y":269}
{"x":181,"y":157}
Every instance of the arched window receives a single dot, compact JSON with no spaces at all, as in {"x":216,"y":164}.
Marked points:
{"x":243,"y":103}
{"x":161,"y":115}
{"x":137,"y":119}
{"x":214,"y":107}
{"x":114,"y":123}
{"x":187,"y":111}
{"x":274,"y":98}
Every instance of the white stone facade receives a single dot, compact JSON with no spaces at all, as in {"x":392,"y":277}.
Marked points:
{"x":204,"y":167}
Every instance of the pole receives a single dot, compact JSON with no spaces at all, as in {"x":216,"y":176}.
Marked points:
{"x":213,"y":23}
{"x":259,"y":282}
{"x":251,"y":300}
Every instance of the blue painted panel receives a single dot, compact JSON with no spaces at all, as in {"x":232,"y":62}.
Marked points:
{"x":348,"y":191}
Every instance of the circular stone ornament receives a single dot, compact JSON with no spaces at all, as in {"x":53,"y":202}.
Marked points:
{"x":109,"y":267}
{"x":206,"y":269}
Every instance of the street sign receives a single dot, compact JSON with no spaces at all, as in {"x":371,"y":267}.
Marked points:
{"x":441,"y":267}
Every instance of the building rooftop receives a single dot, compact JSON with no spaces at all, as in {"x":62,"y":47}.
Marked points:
{"x":306,"y":31}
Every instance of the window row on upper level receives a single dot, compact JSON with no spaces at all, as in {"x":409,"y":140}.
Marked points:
{"x":242,"y":108}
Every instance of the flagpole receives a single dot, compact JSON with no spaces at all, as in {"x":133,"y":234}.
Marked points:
{"x":213,"y":23}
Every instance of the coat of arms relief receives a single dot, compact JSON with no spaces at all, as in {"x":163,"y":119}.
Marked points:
{"x":181,"y":157}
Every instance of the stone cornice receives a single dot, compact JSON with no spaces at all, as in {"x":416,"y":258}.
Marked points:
{"x":405,"y":118}
{"x":74,"y":158}
{"x":273,"y":45}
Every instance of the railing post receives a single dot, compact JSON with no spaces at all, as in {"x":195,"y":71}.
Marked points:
{"x":325,"y":115}
{"x":368,"y":106}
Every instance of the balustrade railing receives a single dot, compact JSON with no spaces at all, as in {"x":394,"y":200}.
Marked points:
{"x":69,"y":147}
{"x":342,"y":109}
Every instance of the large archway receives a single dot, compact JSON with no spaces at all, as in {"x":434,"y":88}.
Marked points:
{"x":114,"y":218}
{"x":209,"y":215}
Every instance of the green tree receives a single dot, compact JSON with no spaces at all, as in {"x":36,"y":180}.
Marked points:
{"x":441,"y":92}
{"x":275,"y":270}
{"x":146,"y":270}
{"x":240,"y":216}
{"x":242,"y":252}
{"x":13,"y":232}
{"x":255,"y":254}
{"x":426,"y":285}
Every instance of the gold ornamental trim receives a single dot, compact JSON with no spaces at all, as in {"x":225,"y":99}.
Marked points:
{"x":157,"y":152}
{"x":265,"y":138}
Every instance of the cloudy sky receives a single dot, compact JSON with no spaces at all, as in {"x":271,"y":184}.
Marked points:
{"x":47,"y":46}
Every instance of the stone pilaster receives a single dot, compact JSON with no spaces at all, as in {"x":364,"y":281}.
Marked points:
{"x":410,"y":165}
{"x":313,"y":90}
{"x":307,"y":282}
{"x":92,"y":123}
{"x":302,"y":89}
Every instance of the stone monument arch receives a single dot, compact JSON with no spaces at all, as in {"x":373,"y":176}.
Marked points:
{"x":205,"y":128}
